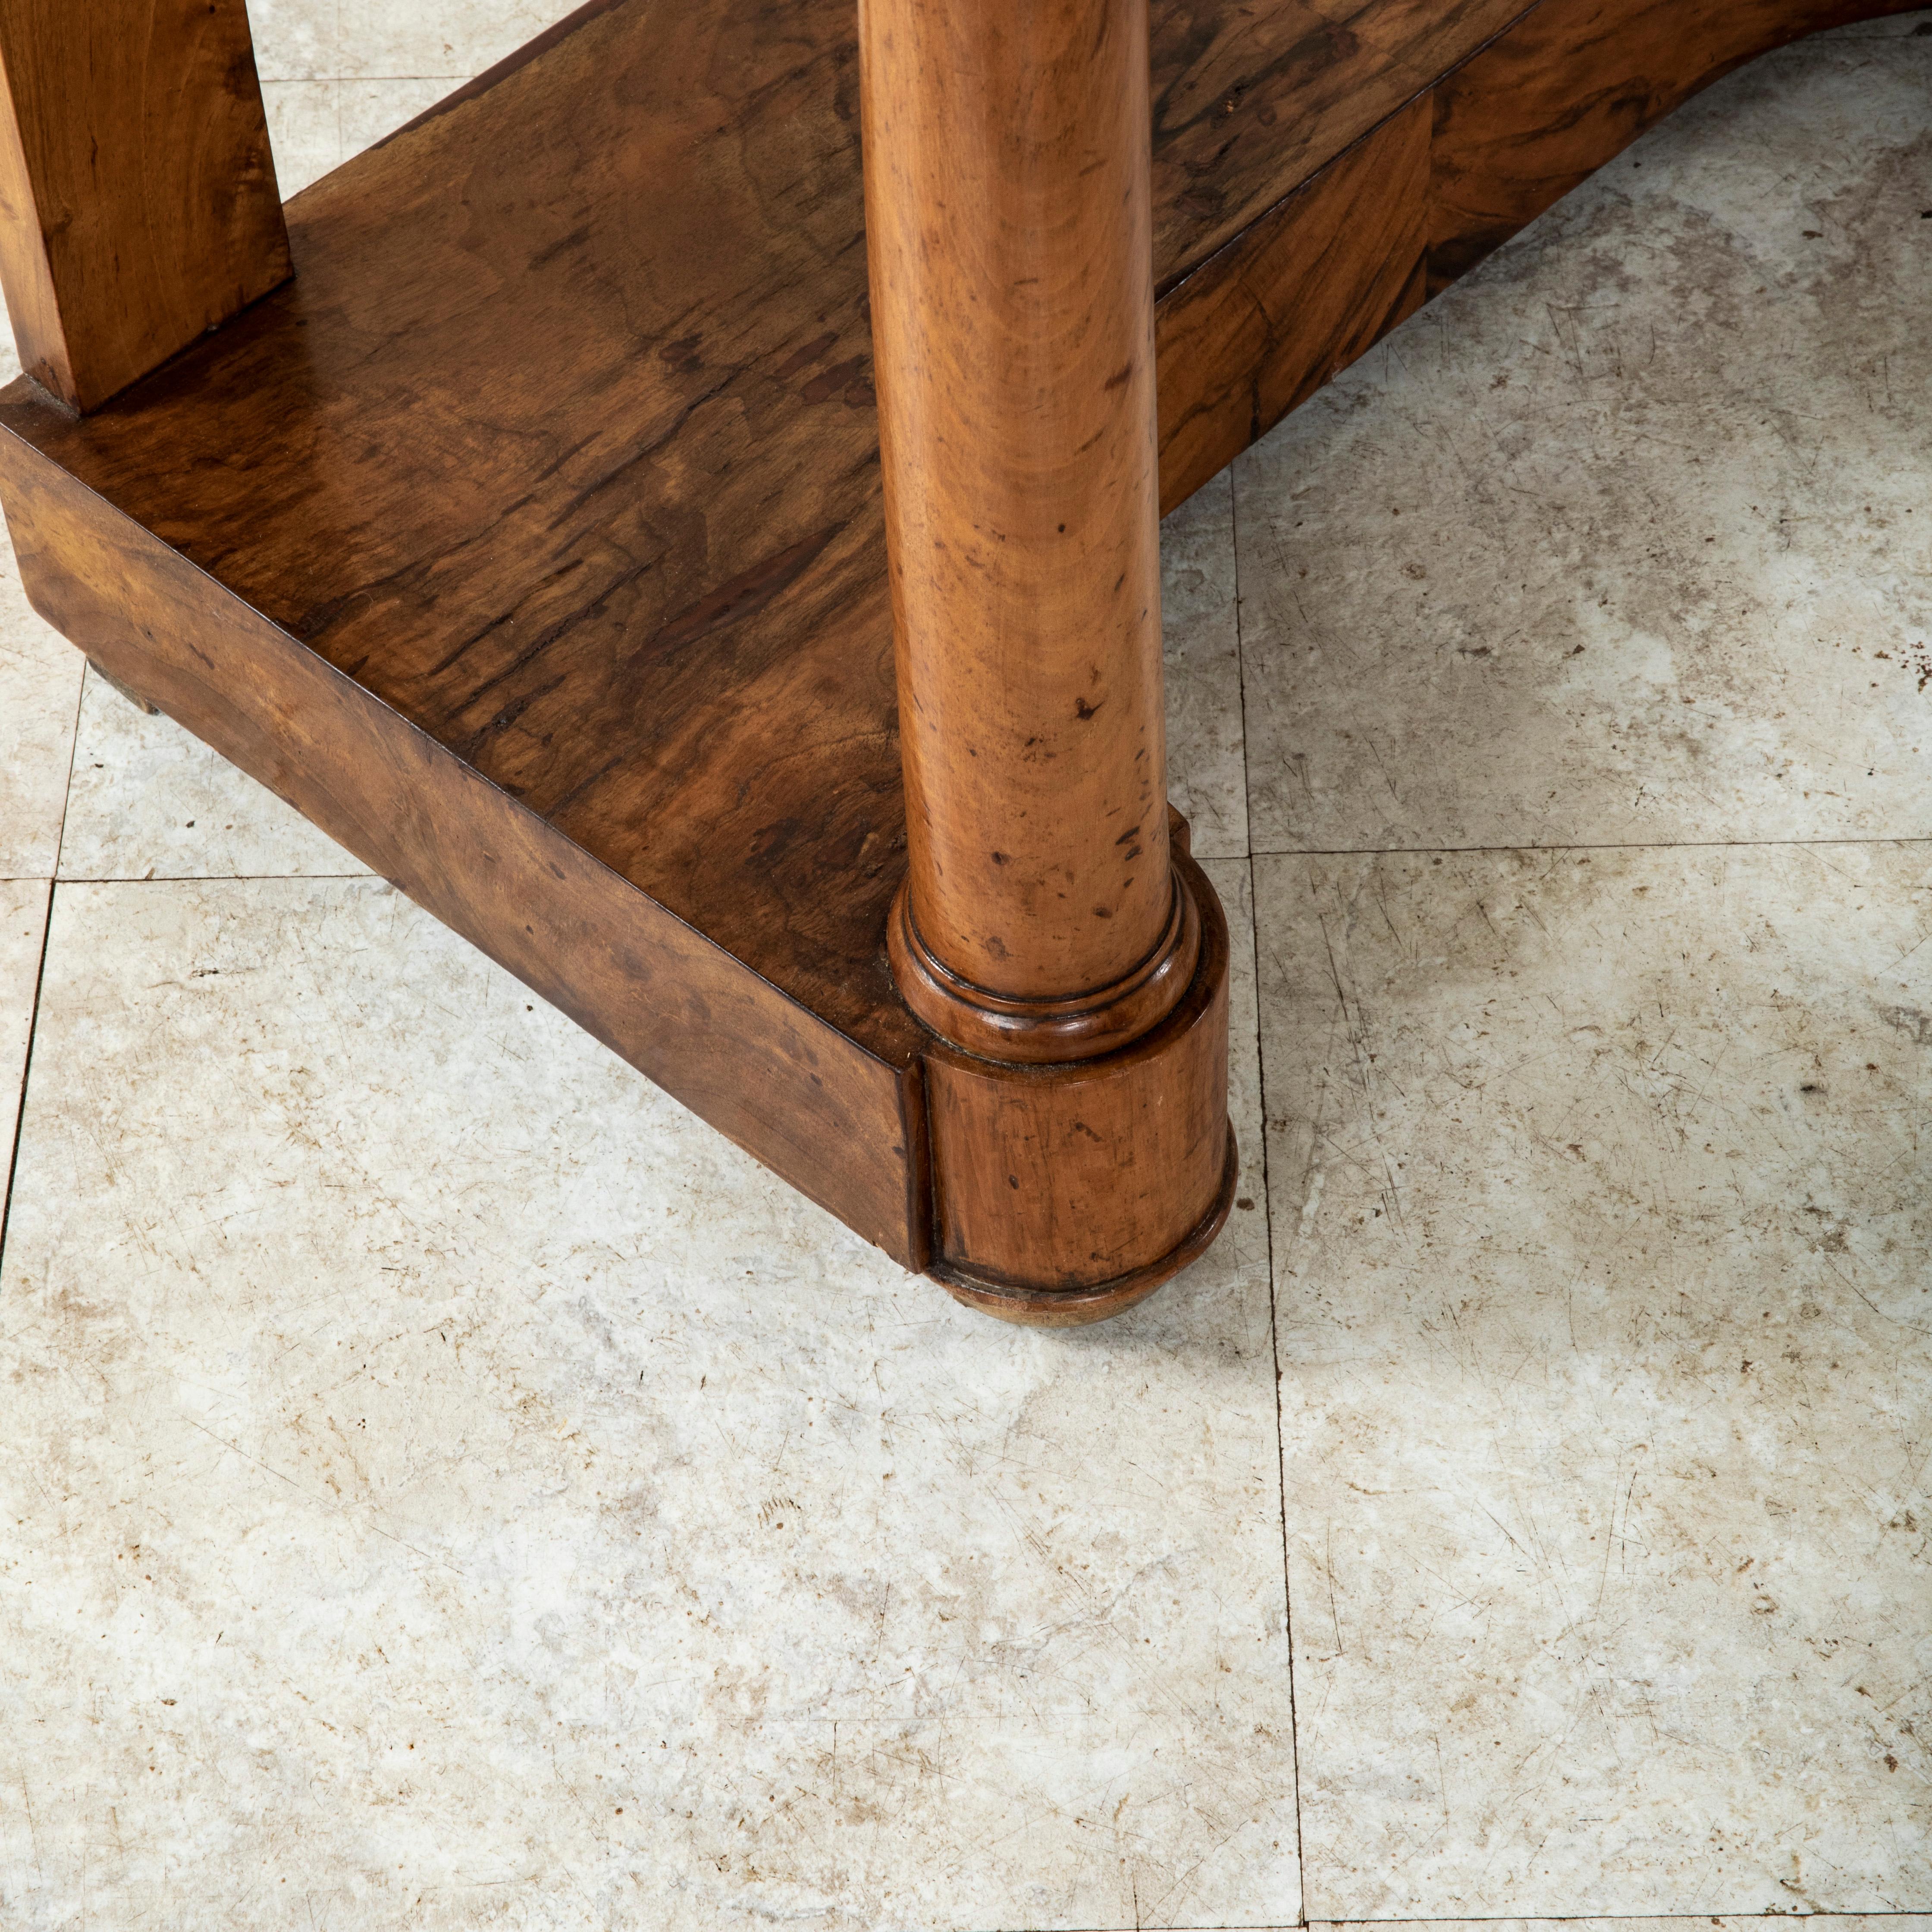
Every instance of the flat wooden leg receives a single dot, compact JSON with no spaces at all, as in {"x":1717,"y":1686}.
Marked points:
{"x":138,"y":203}
{"x":1071,"y":961}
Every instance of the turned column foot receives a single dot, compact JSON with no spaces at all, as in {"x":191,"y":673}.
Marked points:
{"x":1039,"y":1030}
{"x":1064,"y":1194}
{"x":1052,"y":932}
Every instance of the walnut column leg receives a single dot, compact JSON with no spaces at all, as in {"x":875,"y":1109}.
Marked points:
{"x":1070,"y":958}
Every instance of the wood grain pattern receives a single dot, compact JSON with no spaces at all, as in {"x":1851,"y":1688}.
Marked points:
{"x":1251,"y":100}
{"x":575,"y":467}
{"x":1570,"y":88}
{"x":1068,"y":1193}
{"x":842,"y":1125}
{"x":1428,"y":193}
{"x":531,"y":540}
{"x":1008,"y":229}
{"x":1258,"y":328}
{"x":141,"y":162}
{"x":138,"y":203}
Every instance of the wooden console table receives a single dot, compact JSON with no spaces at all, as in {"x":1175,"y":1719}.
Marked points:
{"x":726,"y":589}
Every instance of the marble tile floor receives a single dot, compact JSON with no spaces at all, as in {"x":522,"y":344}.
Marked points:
{"x":413,"y":1421}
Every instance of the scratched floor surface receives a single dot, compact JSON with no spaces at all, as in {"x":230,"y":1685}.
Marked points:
{"x":443,"y":1485}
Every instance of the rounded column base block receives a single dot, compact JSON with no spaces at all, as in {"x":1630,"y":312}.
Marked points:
{"x":1043,"y":1032}
{"x":1074,"y":1307}
{"x":1064,"y":1194}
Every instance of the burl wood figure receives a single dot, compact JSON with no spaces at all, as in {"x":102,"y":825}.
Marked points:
{"x":721,"y":581}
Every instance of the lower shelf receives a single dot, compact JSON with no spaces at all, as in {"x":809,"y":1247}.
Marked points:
{"x":997,"y":1179}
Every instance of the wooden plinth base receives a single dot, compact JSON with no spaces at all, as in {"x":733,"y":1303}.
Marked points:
{"x":1077,"y":1307}
{"x":1062,"y":1194}
{"x":530,"y":540}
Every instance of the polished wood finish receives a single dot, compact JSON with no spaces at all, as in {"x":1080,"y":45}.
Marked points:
{"x":1067,"y":1193}
{"x":1428,"y":193}
{"x":1251,"y":100}
{"x":574,"y":469}
{"x":1571,"y":86}
{"x":149,"y":207}
{"x":138,"y":203}
{"x":840,"y":1123}
{"x":1259,"y":327}
{"x":531,"y":541}
{"x":1079,"y":1145}
{"x":1008,"y":230}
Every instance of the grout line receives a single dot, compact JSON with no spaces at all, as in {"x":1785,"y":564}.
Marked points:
{"x":1621,"y":1918}
{"x":199,"y":878}
{"x":26,"y":1068}
{"x":356,"y":79}
{"x":1518,"y":1918}
{"x":1280,"y":1435}
{"x":1268,"y":1216}
{"x":1289,"y":852}
{"x":1584,"y":845}
{"x":341,"y":139}
{"x":40,"y":973}
{"x":1205,"y":858}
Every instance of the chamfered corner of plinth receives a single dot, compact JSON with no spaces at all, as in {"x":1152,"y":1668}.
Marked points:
{"x":1063,"y":1195}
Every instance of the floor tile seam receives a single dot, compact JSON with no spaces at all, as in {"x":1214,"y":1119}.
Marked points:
{"x":1500,"y":1919}
{"x":1173,"y":1925}
{"x":1280,"y":1436}
{"x":67,"y":783}
{"x":356,"y":79}
{"x":1505,"y":1918}
{"x":1584,"y":845}
{"x":1620,"y":1918}
{"x":26,"y":1069}
{"x":1267,"y":1198}
{"x":53,"y":884}
{"x":199,"y":878}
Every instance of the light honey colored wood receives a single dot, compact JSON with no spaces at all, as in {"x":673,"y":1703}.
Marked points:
{"x":1077,"y":1125}
{"x":1010,"y":243}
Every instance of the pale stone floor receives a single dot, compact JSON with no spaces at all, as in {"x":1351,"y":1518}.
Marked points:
{"x":445,"y":1485}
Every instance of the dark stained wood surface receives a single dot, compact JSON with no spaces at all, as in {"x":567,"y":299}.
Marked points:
{"x":838,"y":1122}
{"x":1530,"y":117}
{"x":1290,"y":303}
{"x":562,"y":442}
{"x":1428,"y":193}
{"x":139,"y":190}
{"x":530,"y":540}
{"x":1251,"y":99}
